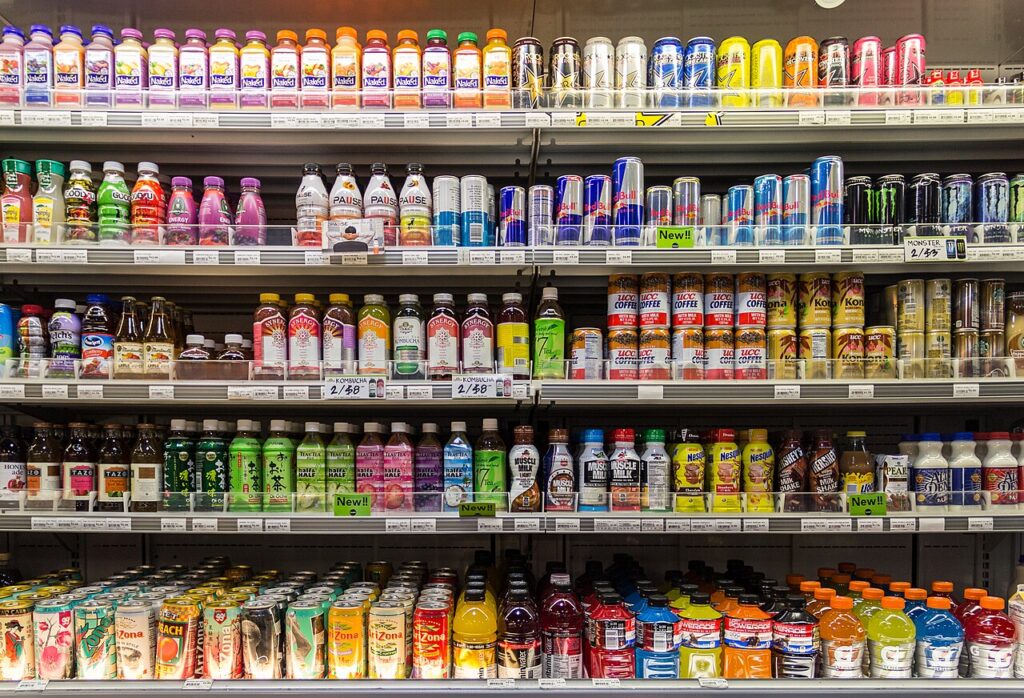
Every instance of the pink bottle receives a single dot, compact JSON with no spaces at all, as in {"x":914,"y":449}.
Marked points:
{"x":193,"y":69}
{"x":989,"y":635}
{"x":12,"y":65}
{"x":561,"y":620}
{"x":398,"y":476}
{"x":214,"y":214}
{"x":251,"y":216}
{"x":370,"y":465}
{"x":182,"y":214}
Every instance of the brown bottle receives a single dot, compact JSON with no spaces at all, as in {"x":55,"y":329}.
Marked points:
{"x":855,"y":467}
{"x":146,"y":471}
{"x":112,"y":470}
{"x":269,"y":338}
{"x":792,"y":469}
{"x":824,"y":474}
{"x":12,"y":460}
{"x":128,"y":356}
{"x":172,"y":315}
{"x":42,"y":466}
{"x":79,"y":467}
{"x":339,"y":336}
{"x":231,"y":363}
{"x":193,"y":361}
{"x":524,"y":465}
{"x":158,"y":346}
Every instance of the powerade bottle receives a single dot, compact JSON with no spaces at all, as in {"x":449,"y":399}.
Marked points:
{"x":891,"y":641}
{"x":245,"y":474}
{"x":747,"y":641}
{"x":940,"y":641}
{"x":700,"y":651}
{"x":657,"y":645}
{"x":794,"y":641}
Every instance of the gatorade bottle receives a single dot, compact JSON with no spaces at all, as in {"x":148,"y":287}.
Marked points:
{"x":944,"y":590}
{"x":612,"y":638}
{"x":842,"y":641}
{"x":915,"y":599}
{"x":990,"y":640}
{"x":898,"y":588}
{"x":856,"y":589}
{"x":807,"y":588}
{"x":794,"y":641}
{"x":747,"y":643}
{"x":474,"y":636}
{"x":970,"y":605}
{"x":700,"y":652}
{"x":891,"y":636}
{"x":825,"y":575}
{"x":870,"y":604}
{"x":657,"y":645}
{"x":821,"y":603}
{"x":841,"y":583}
{"x":561,"y":620}
{"x":882,"y":581}
{"x":940,"y":641}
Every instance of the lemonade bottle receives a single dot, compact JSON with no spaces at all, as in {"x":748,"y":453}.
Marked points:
{"x":346,"y":67}
{"x":48,"y":203}
{"x":99,"y":66}
{"x":131,"y":69}
{"x":842,"y":641}
{"x":758,"y":472}
{"x":68,"y":66}
{"x":497,"y":70}
{"x":284,"y":71}
{"x":376,"y":73}
{"x":254,"y":71}
{"x":747,"y":642}
{"x":688,"y":474}
{"x":406,"y":65}
{"x":467,"y":72}
{"x":223,"y":70}
{"x":723,"y":472}
{"x":700,"y":654}
{"x":315,"y":70}
{"x":940,"y":641}
{"x":891,"y":636}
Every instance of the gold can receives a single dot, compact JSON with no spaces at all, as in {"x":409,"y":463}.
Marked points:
{"x":750,"y":354}
{"x":938,"y":311}
{"x":848,"y":350}
{"x":1015,"y":328}
{"x":966,"y":349}
{"x":814,"y":300}
{"x":586,"y":354}
{"x":781,"y":300}
{"x":879,"y":350}
{"x":622,"y":354}
{"x":655,"y":352}
{"x":910,"y":350}
{"x":910,"y":304}
{"x":815,"y":350}
{"x":346,"y":640}
{"x":386,"y":633}
{"x":848,"y":298}
{"x":177,"y":638}
{"x":890,"y":305}
{"x":937,"y":351}
{"x":17,"y":655}
{"x":782,"y":353}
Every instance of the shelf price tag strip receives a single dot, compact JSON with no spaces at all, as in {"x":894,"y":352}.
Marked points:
{"x":483,"y":387}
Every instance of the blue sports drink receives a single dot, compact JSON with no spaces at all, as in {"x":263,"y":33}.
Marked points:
{"x":512,"y":217}
{"x":739,"y":215}
{"x":768,"y":209}
{"x":796,"y":206}
{"x":568,"y":210}
{"x":699,"y":70}
{"x":992,"y":208}
{"x":597,"y":210}
{"x":940,"y":641}
{"x":665,"y":72}
{"x":657,"y":645}
{"x":827,"y":200}
{"x":627,"y":200}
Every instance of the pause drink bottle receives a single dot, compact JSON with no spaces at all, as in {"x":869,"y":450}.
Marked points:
{"x":891,"y":641}
{"x":940,"y":640}
{"x":990,"y":640}
{"x":842,"y":641}
{"x":700,"y":654}
{"x":747,"y":643}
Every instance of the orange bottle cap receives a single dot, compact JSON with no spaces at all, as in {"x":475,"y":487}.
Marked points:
{"x":827,"y":572}
{"x":493,"y":34}
{"x":859,"y":585}
{"x":864,"y":573}
{"x":882,"y":580}
{"x":809,"y":586}
{"x":287,"y":35}
{"x":872,"y":594}
{"x":316,"y":34}
{"x":408,"y":35}
{"x":939,"y":602}
{"x":841,"y":579}
{"x":893,"y":602}
{"x":842,"y":603}
{"x":346,"y":31}
{"x":794,"y":579}
{"x":824,"y":594}
{"x":377,"y":34}
{"x":914,"y":594}
{"x":942,"y":587}
{"x":899,"y":586}
{"x":992,"y":603}
{"x":974,"y":593}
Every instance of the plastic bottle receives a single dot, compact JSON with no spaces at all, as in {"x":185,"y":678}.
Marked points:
{"x":823,"y":473}
{"x":842,"y":641}
{"x":497,"y":70}
{"x":148,"y":206}
{"x":381,"y":202}
{"x":254,"y":71}
{"x":370,"y":465}
{"x":931,"y":474}
{"x":624,"y":472}
{"x":223,"y":70}
{"x":437,"y":70}
{"x":406,"y":64}
{"x":373,"y":329}
{"x":97,"y":338}
{"x":891,"y":641}
{"x":48,"y":203}
{"x":724,"y":472}
{"x":7,"y":336}
{"x":315,"y":70}
{"x":245,"y":469}
{"x":592,"y":473}
{"x":758,"y":461}
{"x":16,"y":202}
{"x":278,"y":468}
{"x":341,"y":462}
{"x":944,"y":589}
{"x":193,"y":69}
{"x":559,"y":473}
{"x":428,"y":473}
{"x":182,"y":214}
{"x":656,"y":477}
{"x":999,"y":472}
{"x":99,"y":67}
{"x":311,"y":471}
{"x":489,"y":478}
{"x":561,"y":620}
{"x":304,"y":342}
{"x":990,"y":639}
{"x":214,"y":214}
{"x":211,"y":476}
{"x":38,"y":56}
{"x":131,"y":69}
{"x":409,"y":338}
{"x":458,"y":468}
{"x":163,"y":69}
{"x":339,"y":336}
{"x":398,"y":469}
{"x":700,"y":655}
{"x":68,"y":67}
{"x":12,"y":66}
{"x":611,"y":638}
{"x":747,"y":642}
{"x":657,"y":645}
{"x":65,"y":330}
{"x":524,"y":463}
{"x":794,"y":641}
{"x":346,"y":200}
{"x":284,"y":71}
{"x":114,"y":206}
{"x":915,"y":602}
{"x":113,"y":471}
{"x":549,"y":337}
{"x":940,"y":641}
{"x":477,"y":336}
{"x":474,"y":636}
{"x":376,"y":73}
{"x":519,"y":643}
{"x":821,"y":602}
{"x":468,"y":68}
{"x":856,"y":469}
{"x":270,"y":338}
{"x":415,"y":208}
{"x":346,"y":68}
{"x":443,"y":333}
{"x":965,"y":473}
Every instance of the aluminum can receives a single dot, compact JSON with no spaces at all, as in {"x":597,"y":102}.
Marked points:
{"x":688,"y":300}
{"x":565,"y":73}
{"x":655,"y":353}
{"x":627,"y":200}
{"x":512,"y":217}
{"x":750,"y":356}
{"x":475,"y":227}
{"x":623,"y":301}
{"x":447,"y":211}
{"x":699,"y":71}
{"x":222,"y":640}
{"x":766,"y":73}
{"x":834,"y":69}
{"x":751,"y":295}
{"x":857,"y":211}
{"x":937,"y":352}
{"x":887,"y":64}
{"x":992,"y":311}
{"x":782,"y":353}
{"x":910,"y":67}
{"x":911,"y":301}
{"x":568,"y":209}
{"x":527,"y":74}
{"x":925,"y":193}
{"x":686,"y":201}
{"x":768,"y":209}
{"x":597,"y":211}
{"x":966,"y":350}
{"x":733,"y":72}
{"x":719,"y":350}
{"x":1014,"y":330}
{"x":688,"y":356}
{"x":53,"y":626}
{"x":177,"y":638}
{"x":814,"y":300}
{"x":586,"y":357}
{"x":1016,"y":209}
{"x":739,"y":216}
{"x":541,"y":215}
{"x":386,"y":633}
{"x":658,"y":210}
{"x":992,"y":208}
{"x":622,"y":355}
{"x":304,"y":640}
{"x":346,"y":640}
{"x":135,"y":633}
{"x":796,"y":209}
{"x":261,"y":639}
{"x":848,"y":298}
{"x":719,"y":300}
{"x":18,"y":657}
{"x":910,"y":351}
{"x":800,"y":71}
{"x":655,"y":288}
{"x":598,"y":72}
{"x":780,"y":300}
{"x":938,"y":313}
{"x":957,"y":205}
{"x":891,"y":207}
{"x":827,"y":200}
{"x":879,"y":348}
{"x":865,"y":69}
{"x":491,"y":213}
{"x":815,"y":349}
{"x":848,"y":350}
{"x":966,"y":304}
{"x":711,"y":231}
{"x":431,"y":640}
{"x":631,"y":72}
{"x":665,"y":72}
{"x":95,"y":643}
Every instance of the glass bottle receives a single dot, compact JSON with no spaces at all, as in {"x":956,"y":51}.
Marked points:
{"x":477,"y":336}
{"x":443,"y":339}
{"x":158,"y":346}
{"x":195,"y":351}
{"x":513,"y":332}
{"x":147,"y":471}
{"x":12,"y":461}
{"x":112,"y":470}
{"x":409,"y":338}
{"x":231,"y":361}
{"x":79,"y":467}
{"x":42,"y":467}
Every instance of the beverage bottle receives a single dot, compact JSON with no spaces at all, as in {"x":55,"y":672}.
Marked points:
{"x":158,"y":343}
{"x":474,"y":636}
{"x":129,"y":356}
{"x":43,"y":463}
{"x":214,"y":214}
{"x":78,"y":467}
{"x":415,"y":208}
{"x":16,"y":202}
{"x":519,"y":645}
{"x":592,"y":473}
{"x":315,"y":70}
{"x":245,"y":469}
{"x":624,"y":472}
{"x":513,"y":337}
{"x":341,"y":462}
{"x":406,"y":66}
{"x":147,"y":462}
{"x":278,"y":468}
{"x":792,"y":477}
{"x":1015,"y":611}
{"x":700,"y":655}
{"x":807,"y":589}
{"x":931,"y":474}
{"x":99,"y":67}
{"x":254,"y":71}
{"x":561,"y":619}
{"x":48,"y":203}
{"x":131,"y":69}
{"x":182,"y":215}
{"x":339,"y":336}
{"x":380,"y":201}
{"x":489,"y":479}
{"x":747,"y":641}
{"x":38,"y":57}
{"x":758,"y":461}
{"x":370,"y":465}
{"x":841,"y":583}
{"x":497,"y":70}
{"x":437,"y":70}
{"x":312,"y":207}
{"x":304,"y":343}
{"x":730,"y":599}
{"x":114,"y":206}
{"x":12,"y":461}
{"x":428,"y":473}
{"x":963,"y":612}
{"x":346,"y":68}
{"x":443,"y":332}
{"x":842,"y":641}
{"x":284,"y":71}
{"x":821,"y":602}
{"x":915,"y":602}
{"x":211,"y":467}
{"x":999,"y":472}
{"x":940,"y":641}
{"x":376,"y":73}
{"x":12,"y":65}
{"x":65,"y":333}
{"x":193,"y":69}
{"x":657,"y":643}
{"x":891,"y":641}
{"x":944,"y":589}
{"x":549,"y":337}
{"x":270,"y":338}
{"x":374,"y":335}
{"x":655,"y":479}
{"x":68,"y":67}
{"x":724,"y":472}
{"x":346,"y":199}
{"x":163,"y":69}
{"x":458,"y":468}
{"x":794,"y":641}
{"x":856,"y":471}
{"x":990,"y":634}
{"x":113,"y":471}
{"x":148,"y":210}
{"x":882,"y":581}
{"x":79,"y":205}
{"x":33,"y":341}
{"x":311,"y":471}
{"x":824,"y":473}
{"x":409,"y":338}
{"x":477,"y":336}
{"x":398,"y":469}
{"x":223,"y":70}
{"x":524,"y":463}
{"x":468,"y":69}
{"x":559,"y":473}
{"x":612,"y":638}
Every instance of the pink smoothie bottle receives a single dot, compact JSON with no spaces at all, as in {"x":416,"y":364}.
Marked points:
{"x":193,"y":69}
{"x":251,"y":217}
{"x":398,"y":476}
{"x":182,"y":215}
{"x":214,"y":214}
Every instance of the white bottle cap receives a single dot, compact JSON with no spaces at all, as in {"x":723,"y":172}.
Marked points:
{"x":195,"y":339}
{"x":278,"y":425}
{"x":398,"y":427}
{"x":490,"y":425}
{"x":178,"y":425}
{"x":66,"y":303}
{"x":149,"y":167}
{"x":80,"y":165}
{"x":549,"y":293}
{"x":244,"y":425}
{"x":408,"y":298}
{"x":113,"y":165}
{"x":227,"y":426}
{"x":191,"y":425}
{"x":257,"y":427}
{"x":209,"y":343}
{"x":232,"y":339}
{"x":429,"y":428}
{"x":458,"y":426}
{"x":312,"y":426}
{"x":371,"y":427}
{"x":210,"y":425}
{"x":342,"y":428}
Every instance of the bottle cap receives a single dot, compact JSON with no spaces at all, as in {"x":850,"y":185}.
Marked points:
{"x":999,"y":436}
{"x":224,"y":34}
{"x":444,"y":298}
{"x":458,"y":427}
{"x":841,"y":579}
{"x":938,"y":602}
{"x":65,"y":304}
{"x":794,"y":579}
{"x":244,"y":425}
{"x":347,"y":31}
{"x":475,"y":298}
{"x":183,"y":182}
{"x":194,"y":339}
{"x":429,"y":428}
{"x":304,"y":298}
{"x":467,"y":36}
{"x":113,"y":166}
{"x":408,"y":35}
{"x":881,"y":580}
{"x":278,"y":425}
{"x":872,"y":594}
{"x":809,"y":586}
{"x":915,"y":594}
{"x":371,"y":428}
{"x":654,"y":436}
{"x":558,"y":436}
{"x":941,"y":587}
{"x":312,"y":426}
{"x":250,"y":183}
{"x":80,"y":165}
{"x":512,"y":298}
{"x":823,"y":594}
{"x":657,"y":600}
{"x":195,"y":34}
{"x":593,"y":436}
{"x":408,"y":298}
{"x":490,"y":425}
{"x":827,"y":572}
{"x":178,"y":425}
{"x":316,"y":34}
{"x":856,"y":434}
{"x":864,"y":572}
{"x":398,"y":427}
{"x":373,"y":299}
{"x":437,"y":34}
{"x":377,"y":34}
{"x":209,"y":343}
{"x":493,"y":34}
{"x":210,"y":425}
{"x":336,"y":298}
{"x":287,"y":35}
{"x":931,"y":436}
{"x":898,"y":587}
{"x":893,"y":603}
{"x":725,"y":435}
{"x":841,"y":603}
{"x":550,"y":293}
{"x":232,"y":339}
{"x":523,"y":434}
{"x":623,"y":436}
{"x":342,"y":428}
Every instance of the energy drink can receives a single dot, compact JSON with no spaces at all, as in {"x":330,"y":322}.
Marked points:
{"x":261,"y":639}
{"x":686,"y":201}
{"x":699,"y":71}
{"x":304,"y":640}
{"x":135,"y":633}
{"x":527,"y":74}
{"x":768,"y":209}
{"x":222,"y":640}
{"x":857,"y":200}
{"x":865,"y":69}
{"x":733,"y":72}
{"x":966,"y":305}
{"x":447,"y":211}
{"x":766,"y":73}
{"x":910,"y":68}
{"x":1016,"y":210}
{"x":887,"y":78}
{"x":739,"y":216}
{"x":827,"y":200}
{"x":834,"y":70}
{"x":938,"y":313}
{"x":346,"y":640}
{"x":659,"y":206}
{"x":541,"y":214}
{"x":597,"y":210}
{"x":711,"y":231}
{"x":957,"y":207}
{"x":631,"y":72}
{"x":992,"y":208}
{"x":598,"y":71}
{"x":665,"y":72}
{"x":800,"y":71}
{"x":512,"y":217}
{"x":565,"y":72}
{"x":475,"y":226}
{"x":911,"y":305}
{"x":925,"y":193}
{"x":891,"y":208}
{"x":95,"y":651}
{"x":568,"y":209}
{"x":627,"y":201}
{"x":53,"y":634}
{"x":992,"y":313}
{"x":796,"y":207}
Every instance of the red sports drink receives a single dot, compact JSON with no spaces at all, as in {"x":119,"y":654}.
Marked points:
{"x":865,"y":68}
{"x":612,"y":638}
{"x":989,"y":634}
{"x":910,"y":67}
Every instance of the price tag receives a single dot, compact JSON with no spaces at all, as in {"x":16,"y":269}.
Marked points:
{"x":771,"y":256}
{"x":652,"y":525}
{"x":702,"y":525}
{"x":979,"y":523}
{"x":205,"y":525}
{"x":787,"y":392}
{"x":470,"y":509}
{"x":19,"y":255}
{"x":351,"y":505}
{"x":250,"y":525}
{"x":755,"y":525}
{"x":618,"y":257}
{"x":90,"y":392}
{"x":966,"y":390}
{"x":485,"y":120}
{"x":490,"y":526}
{"x":371,"y":121}
{"x":934,"y":249}
{"x":161,"y":392}
{"x":826,"y":256}
{"x":354,"y":259}
{"x":550,"y":683}
{"x":247,"y":257}
{"x":567,"y":525}
{"x":521,"y":390}
{"x":512,"y":257}
{"x":566,"y":256}
{"x":197,"y":685}
{"x":869,"y":525}
{"x":605,"y":683}
{"x":893,"y":255}
{"x":419,"y":392}
{"x":727,"y":525}
{"x":32,"y":117}
{"x":533,"y":120}
{"x":456,"y":120}
{"x":206,"y":257}
{"x":481,"y":257}
{"x":417,"y":120}
{"x":677,"y":526}
{"x":902,"y":523}
{"x":527,"y":525}
{"x":939,"y":116}
{"x":415,"y":258}
{"x":40,"y":523}
{"x":7,"y":117}
{"x":650,"y":392}
{"x":279,"y":526}
{"x":94,"y":119}
{"x":341,"y":121}
{"x":118,"y":524}
{"x":930,"y":524}
{"x":898,"y":117}
{"x":50,"y":256}
{"x":166,"y":120}
{"x":863,"y":256}
{"x":74,"y":256}
{"x":397,"y":525}
{"x":715,"y":683}
{"x":264,"y":392}
{"x":55,"y":392}
{"x":487,"y":387}
{"x":313,"y":258}
{"x":354,"y":388}
{"x":13,"y":391}
{"x":424,"y":525}
{"x":283,"y":120}
{"x":723,"y":256}
{"x":154,"y":256}
{"x":837,"y":117}
{"x":620,"y":525}
{"x":175,"y":525}
{"x":235,"y":392}
{"x":810,"y":118}
{"x":838,"y":525}
{"x":862,"y":391}
{"x":205,"y":120}
{"x":296,"y":392}
{"x":32,"y":685}
{"x":813,"y":525}
{"x":501,"y":683}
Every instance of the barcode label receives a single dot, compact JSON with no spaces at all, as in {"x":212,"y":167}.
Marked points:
{"x":476,"y":233}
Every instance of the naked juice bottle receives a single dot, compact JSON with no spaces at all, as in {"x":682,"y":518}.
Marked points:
{"x":68,"y":69}
{"x":346,"y":68}
{"x":253,"y":70}
{"x":315,"y":74}
{"x":468,"y":60}
{"x":497,"y":70}
{"x":437,"y":70}
{"x":284,"y":71}
{"x":376,"y":71}
{"x":223,"y":70}
{"x":406,"y":61}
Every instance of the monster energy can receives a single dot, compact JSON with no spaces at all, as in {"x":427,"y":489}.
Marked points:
{"x":891,"y":208}
{"x":1016,"y":216}
{"x":857,"y":209}
{"x":304,"y":639}
{"x":94,"y":641}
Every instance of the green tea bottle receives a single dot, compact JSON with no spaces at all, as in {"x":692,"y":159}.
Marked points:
{"x":211,"y":467}
{"x":278,"y":468}
{"x":549,"y":337}
{"x":245,"y":476}
{"x":489,"y":480}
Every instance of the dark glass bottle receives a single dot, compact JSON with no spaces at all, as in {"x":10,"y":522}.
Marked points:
{"x":79,"y":467}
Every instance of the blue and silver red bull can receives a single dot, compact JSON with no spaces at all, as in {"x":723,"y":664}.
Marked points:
{"x":827,"y":200}
{"x":711,"y":231}
{"x":739,"y":215}
{"x":796,"y":208}
{"x":512,"y":217}
{"x":957,"y":205}
{"x":568,"y":210}
{"x":541,"y":214}
{"x":597,"y":210}
{"x":447,"y":211}
{"x":992,"y":208}
{"x":627,"y":200}
{"x":475,"y":225}
{"x":768,"y":209}
{"x":665,"y":72}
{"x":699,"y":70}
{"x":686,"y":201}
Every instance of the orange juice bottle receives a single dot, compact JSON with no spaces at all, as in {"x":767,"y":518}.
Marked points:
{"x":284,"y":71}
{"x":254,"y":71}
{"x":346,"y":66}
{"x":68,"y":62}
{"x":497,"y":65}
{"x":315,"y":72}
{"x":405,"y":63}
{"x":468,"y":61}
{"x":747,"y":641}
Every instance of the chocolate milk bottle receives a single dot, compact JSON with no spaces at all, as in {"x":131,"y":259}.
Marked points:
{"x":824,"y":475}
{"x":792,"y":467}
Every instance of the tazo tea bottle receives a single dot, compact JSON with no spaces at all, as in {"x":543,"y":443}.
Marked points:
{"x":146,"y":468}
{"x":489,"y":478}
{"x":559,"y":473}
{"x":624,"y":481}
{"x":42,"y":464}
{"x":524,"y":463}
{"x":79,"y":467}
{"x":113,"y":471}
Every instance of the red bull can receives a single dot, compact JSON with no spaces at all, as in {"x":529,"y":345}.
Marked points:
{"x":699,"y":71}
{"x":627,"y":203}
{"x":739,"y":215}
{"x":659,"y":205}
{"x":827,"y":200}
{"x":910,"y":67}
{"x":796,"y":206}
{"x":865,"y":69}
{"x":686,"y":201}
{"x":665,"y":72}
{"x":597,"y":210}
{"x":512,"y":217}
{"x":768,"y":209}
{"x":568,"y":209}
{"x":541,"y":214}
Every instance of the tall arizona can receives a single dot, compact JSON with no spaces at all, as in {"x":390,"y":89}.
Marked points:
{"x":431,"y":641}
{"x":386,"y":631}
{"x":177,"y":638}
{"x":17,"y":654}
{"x":814,"y":300}
{"x":53,"y":626}
{"x":95,"y":655}
{"x":780,"y":300}
{"x":304,"y":630}
{"x":848,"y":298}
{"x":135,"y":633}
{"x":346,"y":640}
{"x":222,"y":640}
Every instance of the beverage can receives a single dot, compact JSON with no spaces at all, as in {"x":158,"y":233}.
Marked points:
{"x":719,"y":300}
{"x":431,"y":640}
{"x":304,"y":640}
{"x":858,"y":212}
{"x":938,"y":350}
{"x":911,"y":305}
{"x":627,"y":203}
{"x":827,"y":200}
{"x":751,"y":298}
{"x":568,"y":210}
{"x":910,"y":67}
{"x":686,"y":201}
{"x":222,"y":640}
{"x":815,"y":349}
{"x":658,"y":208}
{"x":848,"y":350}
{"x":598,"y":71}
{"x":623,"y":301}
{"x":346,"y":640}
{"x":654,"y":354}
{"x":938,"y":315}
{"x":719,"y":352}
{"x":18,"y":657}
{"x":700,"y":71}
{"x":622,"y":354}
{"x":834,"y":68}
{"x":910,"y":352}
{"x":654,"y":300}
{"x":386,"y":638}
{"x":879,"y":344}
{"x":782,"y":353}
{"x":597,"y":210}
{"x":688,"y":300}
{"x":565,"y":72}
{"x":665,"y":72}
{"x":800,"y":71}
{"x":739,"y":216}
{"x":848,"y":298}
{"x":688,"y":353}
{"x":992,"y":310}
{"x":814,"y":300}
{"x":527,"y":73}
{"x":631,"y":72}
{"x":956,"y":206}
{"x":447,"y":211}
{"x":866,"y":68}
{"x":796,"y":209}
{"x":766,"y":73}
{"x":768,"y":206}
{"x":780,"y":300}
{"x":586,"y":362}
{"x":512,"y":217}
{"x":541,"y":214}
{"x":966,"y":304}
{"x":733,"y":71}
{"x":749,"y":356}
{"x":475,"y":224}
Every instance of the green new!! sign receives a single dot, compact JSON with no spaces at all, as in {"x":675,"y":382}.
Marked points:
{"x":352,"y":505}
{"x":476,"y":509}
{"x":872,"y":504}
{"x":674,"y":236}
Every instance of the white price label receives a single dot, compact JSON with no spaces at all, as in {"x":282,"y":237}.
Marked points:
{"x":931,"y":524}
{"x":862,"y":391}
{"x":787,"y":392}
{"x":934,"y":249}
{"x":865,"y":256}
{"x":296,"y":392}
{"x":813,"y":525}
{"x":341,"y":121}
{"x":12,"y":391}
{"x":32,"y":685}
{"x":56,"y":391}
{"x":702,"y":525}
{"x":650,"y":392}
{"x":727,"y":525}
{"x":417,"y":120}
{"x":154,"y":256}
{"x":979,"y":523}
{"x":205,"y":120}
{"x":90,"y":392}
{"x":313,"y":258}
{"x":902,"y":523}
{"x":891,"y":255}
{"x":415,"y":258}
{"x":501,"y":683}
{"x":677,"y":526}
{"x":939,"y":116}
{"x":898,"y":117}
{"x":567,"y":525}
{"x":652,"y":525}
{"x":419,"y":392}
{"x":485,"y":120}
{"x":206,"y":258}
{"x":715,"y":683}
{"x":250,"y":525}
{"x":239,"y":392}
{"x":755,"y":525}
{"x":205,"y":525}
{"x":19,"y":255}
{"x":394,"y":392}
{"x":284,"y":120}
{"x":565,"y":256}
{"x":512,"y":257}
{"x":837,"y":117}
{"x":533,"y":120}
{"x":484,"y":525}
{"x":617,"y":525}
{"x":264,"y":392}
{"x":354,"y":259}
{"x":810,"y":117}
{"x":94,"y":119}
{"x":827,"y":256}
{"x":166,"y":120}
{"x":458,"y":120}
{"x":551,"y":683}
{"x":723,"y":256}
{"x":280,"y":526}
{"x":771,"y":256}
{"x":42,"y":523}
{"x":371,"y":121}
{"x":32,"y":117}
{"x":6,"y":117}
{"x":521,"y":390}
{"x":354,"y":388}
{"x":605,"y":683}
{"x":247,"y":257}
{"x":618,"y":256}
{"x":172,"y":525}
{"x":481,"y":257}
{"x":397,"y":525}
{"x":869,"y":525}
{"x":527,"y":525}
{"x":197,"y":685}
{"x":424,"y":525}
{"x":74,"y":256}
{"x":839,"y":525}
{"x":966,"y":390}
{"x":489,"y":387}
{"x":118,"y":524}
{"x":161,"y":392}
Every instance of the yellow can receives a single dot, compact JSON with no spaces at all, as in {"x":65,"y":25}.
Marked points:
{"x":879,"y":349}
{"x":910,"y":350}
{"x":848,"y":298}
{"x":848,"y":350}
{"x":346,"y":640}
{"x":938,"y":348}
{"x":910,"y":304}
{"x":814,"y":300}
{"x":782,"y":353}
{"x":781,"y":300}
{"x":766,"y":73}
{"x":938,"y":311}
{"x":758,"y":472}
{"x":815,"y":350}
{"x":688,"y":474}
{"x":733,"y":71}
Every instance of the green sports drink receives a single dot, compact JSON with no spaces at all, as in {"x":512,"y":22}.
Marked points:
{"x":489,"y":480}
{"x":245,"y":477}
{"x":113,"y":201}
{"x":311,"y":471}
{"x":211,"y":467}
{"x":341,"y":462}
{"x":891,"y":641}
{"x":179,"y":467}
{"x":278,"y":468}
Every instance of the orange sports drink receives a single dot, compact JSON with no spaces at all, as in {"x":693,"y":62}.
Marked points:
{"x":807,"y":589}
{"x":747,"y":641}
{"x":497,"y":70}
{"x":800,"y":71}
{"x":842,"y":641}
{"x":821,"y":603}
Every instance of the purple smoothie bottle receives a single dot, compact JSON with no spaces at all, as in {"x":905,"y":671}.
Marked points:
{"x":428,"y":473}
{"x":181,"y":214}
{"x":214,"y":214}
{"x":251,"y":217}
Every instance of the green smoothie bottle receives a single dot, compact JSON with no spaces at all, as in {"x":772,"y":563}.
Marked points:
{"x":245,"y":476}
{"x":211,"y":467}
{"x":489,"y":480}
{"x":341,"y":462}
{"x":549,"y":337}
{"x":113,"y":201}
{"x":179,"y":467}
{"x":311,"y":471}
{"x":278,"y":468}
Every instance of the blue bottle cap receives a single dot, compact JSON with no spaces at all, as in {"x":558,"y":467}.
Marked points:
{"x":593,"y":436}
{"x":97,"y":298}
{"x":909,"y":437}
{"x":931,"y":436}
{"x":11,"y":29}
{"x":70,"y":28}
{"x":963,"y":436}
{"x":102,"y":29}
{"x":40,"y":28}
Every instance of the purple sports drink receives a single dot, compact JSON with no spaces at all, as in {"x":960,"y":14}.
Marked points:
{"x":597,"y":210}
{"x":181,"y":214}
{"x":428,"y":473}
{"x":214,"y":215}
{"x":568,"y":209}
{"x":251,"y":216}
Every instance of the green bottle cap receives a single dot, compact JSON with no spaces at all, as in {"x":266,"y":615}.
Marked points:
{"x":467,"y":36}
{"x":437,"y":34}
{"x":51,"y":167}
{"x":657,"y":435}
{"x":17,"y":166}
